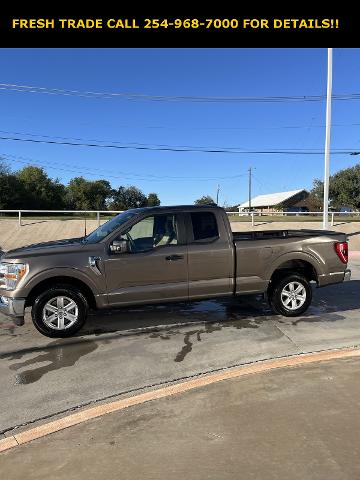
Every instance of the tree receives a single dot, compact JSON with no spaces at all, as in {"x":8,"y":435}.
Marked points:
{"x":40,"y":191}
{"x":84,"y":194}
{"x":153,"y":200}
{"x":205,"y":200}
{"x":99,"y":193}
{"x":344,"y":188}
{"x":12,"y":192}
{"x":4,"y":168}
{"x":31,"y":188}
{"x":128,"y":197}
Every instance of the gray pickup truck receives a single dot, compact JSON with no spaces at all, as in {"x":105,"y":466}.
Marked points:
{"x":163,"y":254}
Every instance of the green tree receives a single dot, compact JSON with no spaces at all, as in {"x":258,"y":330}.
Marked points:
{"x":128,"y":197}
{"x":99,"y":192}
{"x":82,"y":194}
{"x":12,"y":192}
{"x":344,"y":188}
{"x":153,"y":200}
{"x":40,"y":191}
{"x":205,"y":200}
{"x":4,"y":168}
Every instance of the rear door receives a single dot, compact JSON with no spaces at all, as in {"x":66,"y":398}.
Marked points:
{"x":155,"y":269}
{"x":210,"y":255}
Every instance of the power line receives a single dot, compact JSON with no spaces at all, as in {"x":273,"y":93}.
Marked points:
{"x":187,"y":127}
{"x":169,"y":148}
{"x":174,"y":98}
{"x":121,"y":144}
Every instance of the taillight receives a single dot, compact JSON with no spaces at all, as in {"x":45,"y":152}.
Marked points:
{"x":342,"y":251}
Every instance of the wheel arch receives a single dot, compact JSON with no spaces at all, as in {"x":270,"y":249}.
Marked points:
{"x":45,"y":284}
{"x":299,"y":262}
{"x":296,"y":266}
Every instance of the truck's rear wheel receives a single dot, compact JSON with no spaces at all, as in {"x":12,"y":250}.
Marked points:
{"x":290,"y":295}
{"x":59,"y":311}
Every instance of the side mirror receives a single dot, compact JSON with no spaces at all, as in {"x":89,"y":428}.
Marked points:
{"x":120,"y":246}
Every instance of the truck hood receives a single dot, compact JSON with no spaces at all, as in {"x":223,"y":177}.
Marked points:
{"x":56,"y":246}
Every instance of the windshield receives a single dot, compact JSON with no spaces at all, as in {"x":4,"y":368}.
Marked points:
{"x":110,"y":226}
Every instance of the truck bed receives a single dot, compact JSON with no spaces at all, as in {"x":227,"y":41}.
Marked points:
{"x":255,"y":262}
{"x":277,"y":234}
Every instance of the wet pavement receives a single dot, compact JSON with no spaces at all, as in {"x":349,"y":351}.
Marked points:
{"x":292,"y":423}
{"x":123,"y":351}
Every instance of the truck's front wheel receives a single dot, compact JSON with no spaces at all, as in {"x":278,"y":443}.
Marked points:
{"x":290,"y":295}
{"x":59,"y":311}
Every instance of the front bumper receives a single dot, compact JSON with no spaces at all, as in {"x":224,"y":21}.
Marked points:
{"x":13,"y":307}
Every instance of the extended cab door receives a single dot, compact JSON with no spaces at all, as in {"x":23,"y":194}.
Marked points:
{"x":210,"y":254}
{"x":155,"y":267}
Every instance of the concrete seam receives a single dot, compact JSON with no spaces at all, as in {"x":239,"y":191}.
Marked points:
{"x":290,"y":339}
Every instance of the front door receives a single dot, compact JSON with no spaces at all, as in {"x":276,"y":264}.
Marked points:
{"x":155,"y":267}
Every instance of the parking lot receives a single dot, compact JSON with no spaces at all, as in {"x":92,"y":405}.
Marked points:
{"x":126,"y":351}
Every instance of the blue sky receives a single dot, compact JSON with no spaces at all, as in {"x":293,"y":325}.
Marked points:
{"x":181,"y":72}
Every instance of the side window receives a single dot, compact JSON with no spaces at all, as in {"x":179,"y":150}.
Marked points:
{"x":151,"y":232}
{"x":204,"y":226}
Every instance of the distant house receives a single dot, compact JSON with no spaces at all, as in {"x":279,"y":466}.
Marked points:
{"x":293,"y":201}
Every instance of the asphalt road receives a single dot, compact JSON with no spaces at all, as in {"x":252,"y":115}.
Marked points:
{"x":124,"y":351}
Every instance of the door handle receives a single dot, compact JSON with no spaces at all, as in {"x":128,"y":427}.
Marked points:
{"x":172,"y":258}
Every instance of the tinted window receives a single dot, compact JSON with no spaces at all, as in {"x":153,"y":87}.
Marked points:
{"x":204,"y":226}
{"x":151,"y":232}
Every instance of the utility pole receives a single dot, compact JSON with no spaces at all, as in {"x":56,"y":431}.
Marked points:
{"x":217,"y":195}
{"x":249,"y":189}
{"x":327,"y":142}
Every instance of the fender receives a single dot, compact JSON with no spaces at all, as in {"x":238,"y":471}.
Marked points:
{"x":311,"y":258}
{"x":52,"y":272}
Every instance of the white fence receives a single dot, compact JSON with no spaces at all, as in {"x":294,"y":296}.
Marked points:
{"x":19,"y":213}
{"x":251,"y":216}
{"x":283,"y":215}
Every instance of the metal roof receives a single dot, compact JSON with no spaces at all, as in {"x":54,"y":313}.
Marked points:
{"x":271,"y":200}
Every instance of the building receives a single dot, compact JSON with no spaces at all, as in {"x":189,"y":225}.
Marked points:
{"x":293,"y":201}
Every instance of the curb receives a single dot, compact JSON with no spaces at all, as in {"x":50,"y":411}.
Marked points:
{"x":117,"y":405}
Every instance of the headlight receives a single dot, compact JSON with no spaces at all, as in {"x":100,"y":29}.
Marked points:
{"x":11,"y":274}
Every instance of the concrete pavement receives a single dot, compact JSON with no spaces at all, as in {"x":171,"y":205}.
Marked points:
{"x":125,"y":351}
{"x":293,"y":423}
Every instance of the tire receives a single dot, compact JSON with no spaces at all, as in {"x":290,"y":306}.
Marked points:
{"x":58,"y":318}
{"x":281,"y":296}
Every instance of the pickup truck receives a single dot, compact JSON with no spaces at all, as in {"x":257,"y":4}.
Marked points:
{"x":165,"y":254}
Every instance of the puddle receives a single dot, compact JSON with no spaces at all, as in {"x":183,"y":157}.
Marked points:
{"x":186,"y":349}
{"x":233,"y":316}
{"x":57,"y":355}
